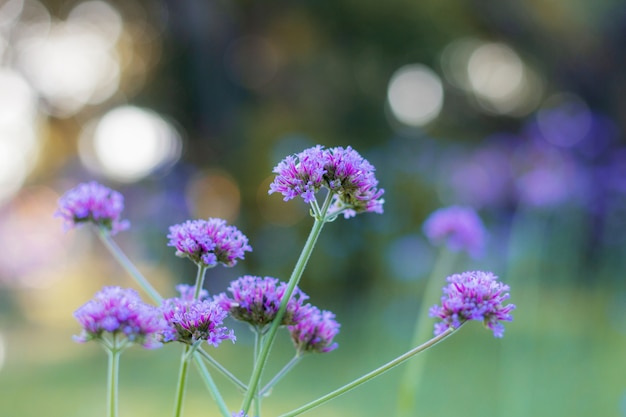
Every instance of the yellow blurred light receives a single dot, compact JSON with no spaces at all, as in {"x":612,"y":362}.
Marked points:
{"x":12,"y":169}
{"x":214,"y":194}
{"x":415,"y":95}
{"x":128,"y":143}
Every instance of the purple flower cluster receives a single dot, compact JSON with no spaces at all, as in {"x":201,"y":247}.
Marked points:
{"x":473,"y":295}
{"x":341,"y":170}
{"x":315,"y":332}
{"x":95,"y":203}
{"x":190,"y":320}
{"x":256,"y":300}
{"x":239,"y":414}
{"x":209,"y":242}
{"x":459,"y":228}
{"x":120,"y":311}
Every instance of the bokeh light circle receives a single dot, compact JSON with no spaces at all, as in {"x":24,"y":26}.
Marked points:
{"x":415,"y":95}
{"x":128,"y":143}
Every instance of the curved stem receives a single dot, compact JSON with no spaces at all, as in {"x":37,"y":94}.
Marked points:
{"x":293,"y":362}
{"x":293,"y":282}
{"x":121,"y":257}
{"x":371,"y":375}
{"x":412,"y":377}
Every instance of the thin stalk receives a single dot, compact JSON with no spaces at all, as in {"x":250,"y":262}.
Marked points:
{"x":291,"y":285}
{"x":413,"y":374}
{"x":371,"y":375}
{"x":121,"y":257}
{"x":199,"y":280}
{"x":293,"y":362}
{"x":206,"y":377}
{"x":258,"y":341}
{"x":242,"y":387}
{"x":112,"y":378}
{"x":182,"y":379}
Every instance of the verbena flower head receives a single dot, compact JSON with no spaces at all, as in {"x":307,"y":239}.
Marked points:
{"x":190,"y":320}
{"x":120,"y":311}
{"x":256,"y":300}
{"x":473,"y":295}
{"x":315,"y":332}
{"x":209,"y":242}
{"x":341,"y":170}
{"x":459,"y":228}
{"x":239,"y":414}
{"x":92,"y":203}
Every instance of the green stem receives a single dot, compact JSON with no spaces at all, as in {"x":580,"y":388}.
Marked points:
{"x":112,"y":378}
{"x":409,"y":385}
{"x":293,"y":282}
{"x":121,"y":257}
{"x":182,"y":379}
{"x":293,"y":362}
{"x":258,"y":341}
{"x":242,"y":387}
{"x":199,"y":281}
{"x":367,"y":377}
{"x":206,"y":377}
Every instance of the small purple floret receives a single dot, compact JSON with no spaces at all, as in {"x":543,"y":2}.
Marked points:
{"x":190,"y":320}
{"x":209,"y":242}
{"x":92,"y":203}
{"x":256,"y":300}
{"x":473,"y":295}
{"x":341,"y":170}
{"x":459,"y":228}
{"x":120,"y":311}
{"x":315,"y":332}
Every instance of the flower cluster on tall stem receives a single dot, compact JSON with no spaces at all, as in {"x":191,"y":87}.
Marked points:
{"x":191,"y":321}
{"x":120,"y":312}
{"x":256,"y":300}
{"x":315,"y":331}
{"x":342,"y":171}
{"x":473,"y":295}
{"x":94,"y":203}
{"x":209,"y":242}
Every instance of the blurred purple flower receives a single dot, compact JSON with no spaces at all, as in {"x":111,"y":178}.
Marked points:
{"x":256,"y":300}
{"x":315,"y":332}
{"x":459,"y":228}
{"x":473,"y":295}
{"x":95,"y":203}
{"x":191,"y":320}
{"x":187,"y":292}
{"x":239,"y":414}
{"x":120,"y":311}
{"x":341,"y":170}
{"x":546,"y":176}
{"x":209,"y":242}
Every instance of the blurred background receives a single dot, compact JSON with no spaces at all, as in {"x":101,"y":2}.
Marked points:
{"x":517,"y":109}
